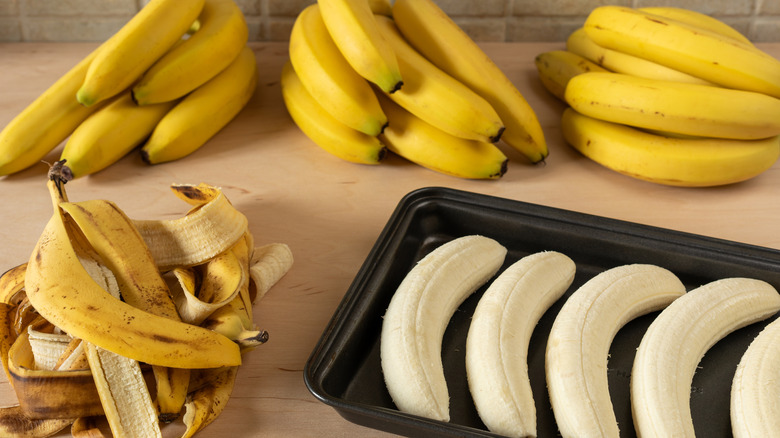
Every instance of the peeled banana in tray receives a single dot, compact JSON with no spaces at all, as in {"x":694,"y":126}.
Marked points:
{"x":404,"y":79}
{"x":667,"y":95}
{"x":102,"y":322}
{"x":171,"y":78}
{"x":686,"y":325}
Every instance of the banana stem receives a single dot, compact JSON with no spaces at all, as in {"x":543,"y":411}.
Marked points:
{"x":59,"y":175}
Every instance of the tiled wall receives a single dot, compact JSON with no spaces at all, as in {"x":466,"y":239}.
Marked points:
{"x":271,"y":20}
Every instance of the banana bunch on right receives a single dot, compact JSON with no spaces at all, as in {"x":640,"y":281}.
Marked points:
{"x":104,"y":298}
{"x":365,"y":77}
{"x":169,"y":80}
{"x":514,"y":299}
{"x":667,"y":95}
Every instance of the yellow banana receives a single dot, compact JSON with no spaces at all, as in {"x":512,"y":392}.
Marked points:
{"x":438,"y":98}
{"x":329,"y":78}
{"x":422,"y":143}
{"x":381,"y":7}
{"x":580,"y":43}
{"x":11,"y":283}
{"x":698,"y":19}
{"x":689,"y":49}
{"x":672,"y":347}
{"x":437,"y":37}
{"x":692,"y":162}
{"x":7,"y":335}
{"x":45,"y":122}
{"x":219,"y":39}
{"x":204,"y":112}
{"x":557,"y":67}
{"x":136,"y":46}
{"x":352,"y":25}
{"x":322,"y":128}
{"x":690,"y":109}
{"x":63,"y":292}
{"x":111,"y":133}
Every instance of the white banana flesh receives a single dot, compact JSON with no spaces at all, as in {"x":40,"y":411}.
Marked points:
{"x":676,"y":341}
{"x":499,"y":335}
{"x":418,"y":315}
{"x":579,"y":341}
{"x":755,"y":390}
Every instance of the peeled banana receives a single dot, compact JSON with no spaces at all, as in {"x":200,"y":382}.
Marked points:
{"x":670,"y":160}
{"x":499,"y":335}
{"x":418,"y":313}
{"x":579,"y":341}
{"x":672,"y":347}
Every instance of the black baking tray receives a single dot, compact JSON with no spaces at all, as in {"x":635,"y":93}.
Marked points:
{"x":344,"y":369}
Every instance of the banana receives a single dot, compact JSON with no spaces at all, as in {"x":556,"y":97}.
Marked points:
{"x":352,"y":25}
{"x":672,"y":347}
{"x":111,"y":133}
{"x":45,"y":122}
{"x":755,"y":411}
{"x":499,"y":335}
{"x":557,"y":67}
{"x":580,"y":43}
{"x":698,"y":19}
{"x":222,"y":35}
{"x":689,"y":49}
{"x":268,"y":265}
{"x":63,"y":292}
{"x":578,"y":343}
{"x":438,"y":98}
{"x":123,"y":394}
{"x":381,"y":7}
{"x":323,"y":129}
{"x":212,"y":226}
{"x":126,"y":55}
{"x":426,"y":145}
{"x":329,"y":78}
{"x":204,"y":112}
{"x":439,"y":39}
{"x":690,"y":109}
{"x":86,"y":427}
{"x":418,"y":313}
{"x":698,"y":162}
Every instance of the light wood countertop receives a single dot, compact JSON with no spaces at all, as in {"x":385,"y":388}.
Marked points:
{"x":331,"y":212}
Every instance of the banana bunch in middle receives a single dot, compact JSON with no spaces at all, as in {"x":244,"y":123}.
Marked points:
{"x":365,"y":77}
{"x":667,"y":95}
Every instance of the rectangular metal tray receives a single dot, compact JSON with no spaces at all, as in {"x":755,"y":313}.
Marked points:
{"x":344,"y":369}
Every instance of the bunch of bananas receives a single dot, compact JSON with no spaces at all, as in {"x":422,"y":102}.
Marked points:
{"x":365,"y":77}
{"x":667,"y":95}
{"x":106,"y":300}
{"x":169,"y":79}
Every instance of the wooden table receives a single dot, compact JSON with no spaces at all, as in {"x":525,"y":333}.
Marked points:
{"x":331,"y":212}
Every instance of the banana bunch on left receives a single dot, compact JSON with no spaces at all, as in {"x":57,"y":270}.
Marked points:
{"x":667,"y":95}
{"x":139,"y":322}
{"x":169,"y":80}
{"x":365,"y":77}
